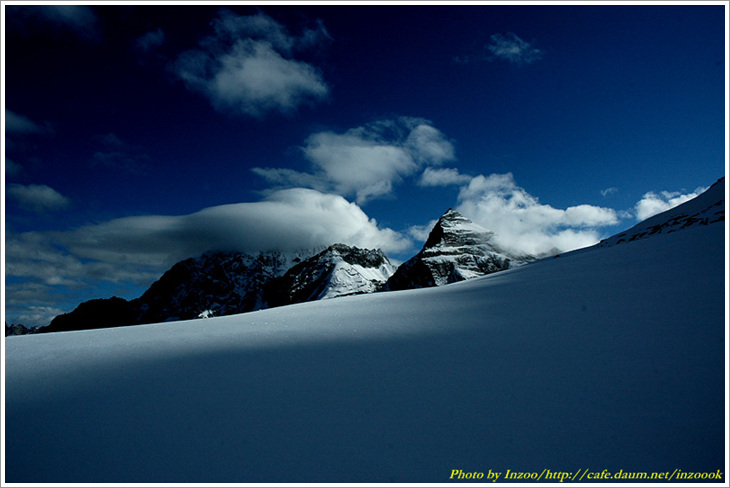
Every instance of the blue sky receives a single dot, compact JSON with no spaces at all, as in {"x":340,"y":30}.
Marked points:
{"x":137,"y":136}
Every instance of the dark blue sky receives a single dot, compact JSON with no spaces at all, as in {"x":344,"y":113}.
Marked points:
{"x":136,"y":136}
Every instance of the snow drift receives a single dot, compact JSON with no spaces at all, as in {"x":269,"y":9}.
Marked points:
{"x":608,"y":358}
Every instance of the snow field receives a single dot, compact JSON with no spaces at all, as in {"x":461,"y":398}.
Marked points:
{"x":608,"y":358}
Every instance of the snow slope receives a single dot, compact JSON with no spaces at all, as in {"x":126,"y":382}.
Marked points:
{"x":611,"y":358}
{"x":707,"y":208}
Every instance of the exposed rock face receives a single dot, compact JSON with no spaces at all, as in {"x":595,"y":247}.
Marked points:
{"x":17,"y":329}
{"x":219,"y":283}
{"x":216,"y":283}
{"x":456,"y":249}
{"x":337,"y":271}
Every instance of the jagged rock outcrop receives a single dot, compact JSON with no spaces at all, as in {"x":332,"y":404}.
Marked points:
{"x":456,"y":249}
{"x":337,"y":271}
{"x":219,"y":283}
{"x":215,"y":283}
{"x":17,"y":329}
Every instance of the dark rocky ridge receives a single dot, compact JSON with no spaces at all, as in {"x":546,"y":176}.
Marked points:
{"x":219,"y":283}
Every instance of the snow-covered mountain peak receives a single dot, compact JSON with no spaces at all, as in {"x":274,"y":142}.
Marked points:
{"x":456,"y":249}
{"x":453,"y":230}
{"x":339,"y":270}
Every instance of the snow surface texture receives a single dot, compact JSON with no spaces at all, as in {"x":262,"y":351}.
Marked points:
{"x":610,"y":358}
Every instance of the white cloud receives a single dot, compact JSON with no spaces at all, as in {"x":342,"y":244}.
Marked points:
{"x":45,"y":258}
{"x":443,"y":177}
{"x":521,"y":223}
{"x":37,"y":315}
{"x":511,"y":48}
{"x":247,"y":66}
{"x":420,"y":232}
{"x":135,"y":248}
{"x":358,"y":164}
{"x":38,"y":198}
{"x":428,"y":145}
{"x":230,"y":27}
{"x":653,"y":203}
{"x":609,"y":191}
{"x":367,"y":161}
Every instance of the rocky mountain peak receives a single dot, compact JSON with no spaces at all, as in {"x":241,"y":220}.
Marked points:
{"x":456,"y":249}
{"x":339,"y":270}
{"x":453,"y":229}
{"x":369,"y":258}
{"x":224,"y":283}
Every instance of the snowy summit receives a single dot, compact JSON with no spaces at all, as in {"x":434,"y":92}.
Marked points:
{"x":456,"y":249}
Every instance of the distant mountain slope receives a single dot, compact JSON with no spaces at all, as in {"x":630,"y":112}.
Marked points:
{"x":214,"y":284}
{"x":219,"y":283}
{"x":706,"y":208}
{"x":456,"y":249}
{"x":99,"y":313}
{"x":603,"y":361}
{"x":339,"y":270}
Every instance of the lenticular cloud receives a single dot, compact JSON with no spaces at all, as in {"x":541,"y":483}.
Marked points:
{"x":286,"y":220}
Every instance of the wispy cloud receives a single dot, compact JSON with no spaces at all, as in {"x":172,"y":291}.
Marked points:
{"x":420,"y":233}
{"x":151,"y":40}
{"x":12,"y":168}
{"x":443,"y":177}
{"x":20,"y":124}
{"x":37,"y":198}
{"x":119,"y":155}
{"x":509,"y":47}
{"x":80,"y":19}
{"x":367,"y":161}
{"x":247,"y":66}
{"x":112,"y":140}
{"x":521,"y":223}
{"x":609,"y":191}
{"x":653,"y":203}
